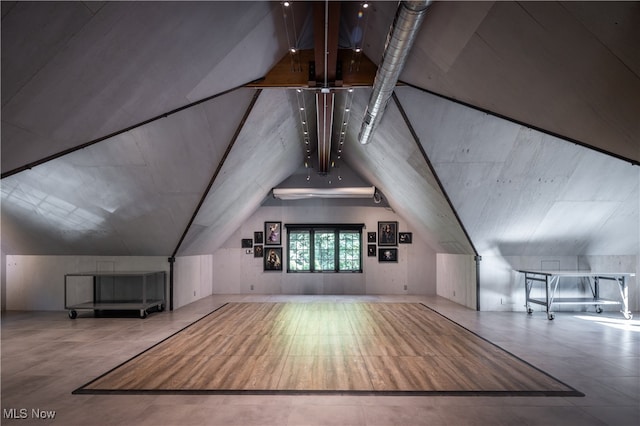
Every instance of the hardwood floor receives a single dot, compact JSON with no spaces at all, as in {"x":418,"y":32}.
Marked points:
{"x":327,"y":347}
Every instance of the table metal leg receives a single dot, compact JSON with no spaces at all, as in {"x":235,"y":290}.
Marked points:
{"x":624,"y":295}
{"x":550,"y":294}
{"x":528,"y":284}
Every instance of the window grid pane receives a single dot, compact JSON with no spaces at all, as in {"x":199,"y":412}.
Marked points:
{"x":299,"y":251}
{"x":349,"y":251}
{"x":325,"y":250}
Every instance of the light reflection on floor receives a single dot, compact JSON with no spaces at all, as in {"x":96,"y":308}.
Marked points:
{"x":618,"y":323}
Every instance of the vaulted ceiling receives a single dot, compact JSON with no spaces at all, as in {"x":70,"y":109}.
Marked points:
{"x":158,"y":128}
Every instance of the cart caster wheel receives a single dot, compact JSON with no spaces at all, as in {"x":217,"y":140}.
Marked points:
{"x":599,"y":310}
{"x":551,"y":317}
{"x":73,"y":314}
{"x":529,"y":310}
{"x":627,"y":315}
{"x":143,"y":314}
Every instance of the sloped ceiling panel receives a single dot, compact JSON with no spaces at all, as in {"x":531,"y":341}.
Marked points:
{"x":522,"y":192}
{"x":394,"y":163}
{"x":79,"y":74}
{"x":268,"y":149}
{"x":129,"y":195}
{"x":76,"y":71}
{"x":569,"y":68}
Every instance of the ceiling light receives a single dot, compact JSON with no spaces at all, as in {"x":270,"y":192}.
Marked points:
{"x":365,"y":5}
{"x":293,"y":50}
{"x":286,"y":4}
{"x":302,"y":193}
{"x":358,"y":50}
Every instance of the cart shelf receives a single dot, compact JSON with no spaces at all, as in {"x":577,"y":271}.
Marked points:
{"x":115,"y":291}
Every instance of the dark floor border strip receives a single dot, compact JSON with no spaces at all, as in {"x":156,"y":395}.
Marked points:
{"x":573,"y":390}
{"x":328,"y":392}
{"x":81,"y":389}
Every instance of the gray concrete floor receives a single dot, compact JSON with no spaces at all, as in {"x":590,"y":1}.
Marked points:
{"x":45,"y":356}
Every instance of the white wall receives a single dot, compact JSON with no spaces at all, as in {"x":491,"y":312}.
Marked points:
{"x":37,"y":282}
{"x":456,"y":276}
{"x":235,"y":271}
{"x":192,"y":278}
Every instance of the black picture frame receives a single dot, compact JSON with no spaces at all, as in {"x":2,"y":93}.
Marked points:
{"x":371,"y":250}
{"x":273,"y":259}
{"x":371,"y":237}
{"x":405,"y":238}
{"x":387,"y":233}
{"x":258,"y":237}
{"x":247,"y":243}
{"x":258,"y":251}
{"x":387,"y":254}
{"x":273,"y":233}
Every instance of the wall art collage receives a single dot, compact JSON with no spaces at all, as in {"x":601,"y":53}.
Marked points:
{"x":267,"y":244}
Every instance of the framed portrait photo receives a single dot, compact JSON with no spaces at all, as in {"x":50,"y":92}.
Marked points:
{"x":247,"y":243}
{"x":387,"y":233}
{"x":273,"y":233}
{"x":258,"y":237}
{"x":387,"y":254}
{"x":371,"y":237}
{"x":273,"y":259}
{"x":405,"y":237}
{"x":258,"y":251}
{"x":371,"y":250}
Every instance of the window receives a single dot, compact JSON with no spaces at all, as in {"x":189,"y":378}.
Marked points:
{"x":324,"y":248}
{"x":299,"y":251}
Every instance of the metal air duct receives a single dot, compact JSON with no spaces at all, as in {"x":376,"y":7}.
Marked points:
{"x":402,"y":34}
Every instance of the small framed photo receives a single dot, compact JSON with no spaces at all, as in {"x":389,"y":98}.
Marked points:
{"x":387,"y":233}
{"x":247,"y":243}
{"x":258,"y":237}
{"x":371,"y":237}
{"x":258,"y":251}
{"x":387,"y":254}
{"x":273,"y":259}
{"x":371,"y":250}
{"x":273,"y":233}
{"x":405,"y":237}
